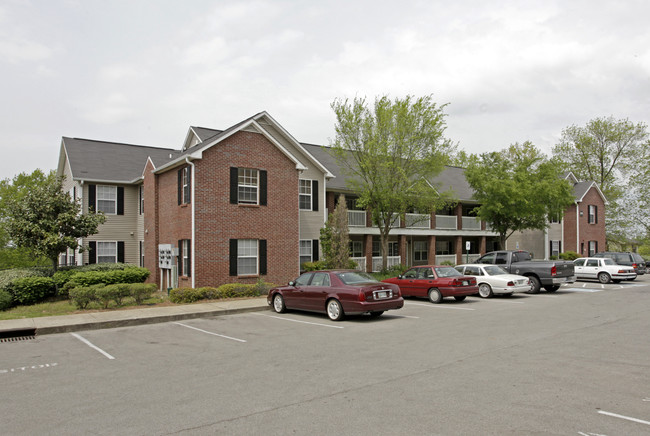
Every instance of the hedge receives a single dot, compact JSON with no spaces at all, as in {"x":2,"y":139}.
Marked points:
{"x":6,"y":300}
{"x":230,"y":290}
{"x":131,"y":274}
{"x":31,"y":290}
{"x":82,"y":296}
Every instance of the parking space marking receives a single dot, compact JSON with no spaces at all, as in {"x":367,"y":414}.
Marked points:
{"x":615,"y":415}
{"x":302,"y":322}
{"x":210,"y":333}
{"x":581,"y":290}
{"x":91,"y":345}
{"x":438,"y":306}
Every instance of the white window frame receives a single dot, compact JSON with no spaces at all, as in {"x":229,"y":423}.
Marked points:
{"x":185,"y":180}
{"x":100,"y":195}
{"x":187,"y":246}
{"x":304,"y":190}
{"x":591,"y":214}
{"x":592,"y":247}
{"x":356,"y":249}
{"x":99,"y":250}
{"x":306,"y":249}
{"x":248,"y":179}
{"x":141,"y":193}
{"x":247,"y":250}
{"x":555,"y":248}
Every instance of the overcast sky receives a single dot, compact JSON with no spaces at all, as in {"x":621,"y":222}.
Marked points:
{"x":142,"y":72}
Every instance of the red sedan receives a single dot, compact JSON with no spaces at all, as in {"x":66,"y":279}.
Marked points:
{"x":336,"y":293}
{"x":435,"y":282}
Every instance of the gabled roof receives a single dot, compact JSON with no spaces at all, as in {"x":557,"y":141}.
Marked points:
{"x":580,"y":189}
{"x":103,"y":161}
{"x":451,"y":178}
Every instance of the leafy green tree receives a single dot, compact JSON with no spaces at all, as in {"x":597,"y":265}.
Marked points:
{"x":518,"y":189}
{"x":390,"y":153}
{"x":615,"y":154}
{"x":335,"y":239}
{"x":42,"y":218}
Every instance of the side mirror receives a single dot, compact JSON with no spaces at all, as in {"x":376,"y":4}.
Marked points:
{"x":400,"y":277}
{"x":292,"y":283}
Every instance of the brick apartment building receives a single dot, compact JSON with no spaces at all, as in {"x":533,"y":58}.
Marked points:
{"x":248,"y":202}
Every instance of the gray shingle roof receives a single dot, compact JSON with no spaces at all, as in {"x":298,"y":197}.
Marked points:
{"x":111,"y":161}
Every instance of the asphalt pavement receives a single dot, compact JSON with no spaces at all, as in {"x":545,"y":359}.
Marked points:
{"x":126,"y":317}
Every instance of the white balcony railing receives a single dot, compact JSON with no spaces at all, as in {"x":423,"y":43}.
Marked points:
{"x":471,"y":223}
{"x":391,"y":261}
{"x":357,"y":218}
{"x":440,"y":258}
{"x":361,"y":263}
{"x":418,"y":221}
{"x":446,"y":222}
{"x":469,"y":258}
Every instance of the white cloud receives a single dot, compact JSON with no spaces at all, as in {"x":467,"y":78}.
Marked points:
{"x":15,"y":51}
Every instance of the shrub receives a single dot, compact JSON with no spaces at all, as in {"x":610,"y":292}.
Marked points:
{"x":130,"y":274}
{"x":141,"y":291}
{"x":313,"y":266}
{"x":184,"y":295}
{"x":6,"y":300}
{"x":82,"y":296}
{"x":569,"y":255}
{"x":104,"y":294}
{"x":448,"y":262}
{"x":31,"y":290}
{"x":9,"y":275}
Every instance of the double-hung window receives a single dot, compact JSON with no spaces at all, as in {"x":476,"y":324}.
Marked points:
{"x":305,"y":201}
{"x":593,"y":247}
{"x":420,"y":251}
{"x":305,"y":251}
{"x":246,"y":257}
{"x":248,"y":186}
{"x":593,"y":214}
{"x":107,"y":199}
{"x":356,"y":249}
{"x":106,"y":252}
{"x":187,"y":246}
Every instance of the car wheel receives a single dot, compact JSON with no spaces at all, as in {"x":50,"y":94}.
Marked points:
{"x":604,"y":278}
{"x":278,"y":304}
{"x":376,"y":314}
{"x":435,"y":296}
{"x":484,"y":290}
{"x":535,"y":285}
{"x":334,"y":310}
{"x":551,"y":288}
{"x":459,"y":297}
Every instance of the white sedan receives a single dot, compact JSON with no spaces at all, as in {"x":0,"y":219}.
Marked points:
{"x":493,"y":279}
{"x":603,"y":269}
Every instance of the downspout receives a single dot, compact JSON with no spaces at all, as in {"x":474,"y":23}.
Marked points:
{"x":193,"y":202}
{"x":578,"y":229}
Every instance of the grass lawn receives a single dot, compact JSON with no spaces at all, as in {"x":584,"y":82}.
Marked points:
{"x":66,"y":307}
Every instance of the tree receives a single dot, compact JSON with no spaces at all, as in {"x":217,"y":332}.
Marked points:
{"x":44,"y":219}
{"x":335,"y":239}
{"x":390,"y":153}
{"x":614,"y":154}
{"x":518,"y":189}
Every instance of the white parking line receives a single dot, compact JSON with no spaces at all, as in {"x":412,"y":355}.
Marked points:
{"x":640,"y":421}
{"x":581,"y":290}
{"x":91,"y":345}
{"x":438,"y":306}
{"x":295,"y":320}
{"x":210,"y":333}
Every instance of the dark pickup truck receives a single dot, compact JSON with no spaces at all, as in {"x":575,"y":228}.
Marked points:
{"x":549,"y":274}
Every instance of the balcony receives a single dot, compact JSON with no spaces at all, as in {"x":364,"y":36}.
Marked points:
{"x":471,"y":223}
{"x":391,"y":261}
{"x":356,"y":218}
{"x":446,"y":222}
{"x":441,"y":258}
{"x":418,"y":221}
{"x":361,"y":263}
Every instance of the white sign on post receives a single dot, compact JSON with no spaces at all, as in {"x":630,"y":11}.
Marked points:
{"x":468,"y":244}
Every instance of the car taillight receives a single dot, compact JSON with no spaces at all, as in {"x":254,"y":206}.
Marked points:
{"x":621,"y":271}
{"x":362,"y":296}
{"x":510,"y":284}
{"x":635,"y":266}
{"x":553,"y":271}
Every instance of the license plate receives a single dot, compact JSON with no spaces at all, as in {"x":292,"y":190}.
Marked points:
{"x":465,"y":283}
{"x":380,"y":295}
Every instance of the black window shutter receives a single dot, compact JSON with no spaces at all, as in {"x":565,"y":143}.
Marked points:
{"x":263,"y":187}
{"x":595,"y":214}
{"x":189,"y":258}
{"x":314,"y":250}
{"x":262,"y":257}
{"x":233,"y":257}
{"x":92,"y":195}
{"x":120,"y":200}
{"x":314,"y":195}
{"x":120,"y":251}
{"x":180,"y":257}
{"x":234,"y":185}
{"x":189,"y":185}
{"x":180,"y":186}
{"x":92,"y":252}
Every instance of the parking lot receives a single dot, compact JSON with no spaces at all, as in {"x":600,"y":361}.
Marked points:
{"x":572,"y":362}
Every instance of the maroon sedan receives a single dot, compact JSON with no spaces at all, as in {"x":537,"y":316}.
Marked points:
{"x":435,"y":282}
{"x":336,"y":293}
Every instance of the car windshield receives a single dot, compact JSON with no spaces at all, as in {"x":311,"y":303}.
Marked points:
{"x":494,"y":270}
{"x":353,"y":277}
{"x":609,"y":261}
{"x":446,"y":271}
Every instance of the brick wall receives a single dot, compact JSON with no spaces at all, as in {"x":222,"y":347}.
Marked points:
{"x":575,"y":235}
